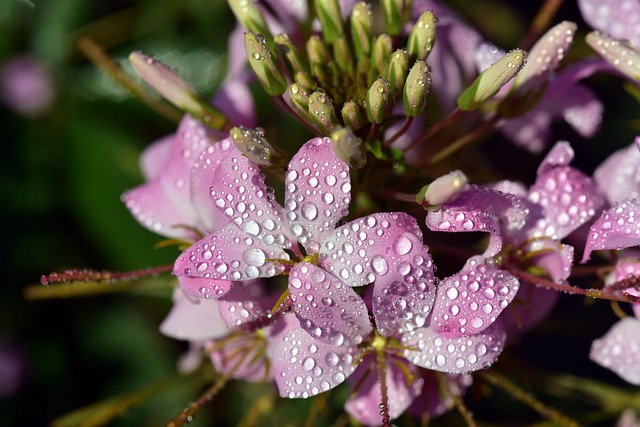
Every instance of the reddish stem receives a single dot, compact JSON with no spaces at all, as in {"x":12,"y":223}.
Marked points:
{"x":86,"y":275}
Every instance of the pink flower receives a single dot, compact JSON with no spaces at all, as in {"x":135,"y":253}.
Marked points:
{"x":27,"y":87}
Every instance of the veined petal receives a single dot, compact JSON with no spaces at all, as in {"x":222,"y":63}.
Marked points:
{"x":318,"y":192}
{"x":364,"y":405}
{"x":568,"y":198}
{"x":152,"y":208}
{"x":240,"y":192}
{"x":620,"y":19}
{"x":228,"y":254}
{"x":198,"y":287}
{"x":619,"y":350}
{"x":247,"y":349}
{"x":431,"y":350}
{"x":193,"y":320}
{"x":328,"y":310}
{"x":403,"y":298}
{"x":363,"y":249}
{"x":618,"y":177}
{"x":202,"y":178}
{"x":617,"y":228}
{"x":470,"y":301}
{"x":480,"y":209}
{"x":304,"y":366}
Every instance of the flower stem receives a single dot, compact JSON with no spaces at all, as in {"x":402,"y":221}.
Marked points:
{"x":540,"y":22}
{"x":525,"y":397}
{"x":459,"y":143}
{"x":399,"y":133}
{"x":381,"y":365}
{"x":434,"y":129}
{"x":86,"y":275}
{"x":98,"y":56}
{"x":574,"y":290}
{"x":446,"y":392}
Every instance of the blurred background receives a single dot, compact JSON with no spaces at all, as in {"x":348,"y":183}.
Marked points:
{"x":70,"y":141}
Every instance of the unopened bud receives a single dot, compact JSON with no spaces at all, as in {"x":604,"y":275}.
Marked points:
{"x":295,"y":58}
{"x":328,"y":12}
{"x":264,"y":64}
{"x":343,"y":57}
{"x":352,"y":115}
{"x":618,"y":53}
{"x":250,"y":16}
{"x":379,"y":101}
{"x":394,"y":13}
{"x":547,"y":53}
{"x":304,"y":79}
{"x":422,"y":36}
{"x":381,"y":52}
{"x":414,"y":95}
{"x":322,"y":113}
{"x":257,"y":148}
{"x":299,"y":99}
{"x":443,"y":190}
{"x":319,"y":59}
{"x":361,"y":22}
{"x":348,"y":147}
{"x":175,"y":90}
{"x":492,"y":79}
{"x":398,"y":70}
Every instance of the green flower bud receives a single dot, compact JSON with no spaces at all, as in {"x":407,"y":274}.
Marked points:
{"x":299,"y":99}
{"x":361,"y":23}
{"x":398,"y":69}
{"x":352,"y":115}
{"x":414,"y":95}
{"x":618,"y":53}
{"x":492,"y":79}
{"x":175,"y":90}
{"x":443,"y":190}
{"x":343,"y":57}
{"x":319,"y":60}
{"x":322,"y":113}
{"x":328,"y":12}
{"x":250,"y":16}
{"x":304,"y":79}
{"x":348,"y":147}
{"x":264,"y":64}
{"x":379,"y":101}
{"x":381,"y":52}
{"x":422,"y":36}
{"x":295,"y":58}
{"x":395,"y":13}
{"x":257,"y":148}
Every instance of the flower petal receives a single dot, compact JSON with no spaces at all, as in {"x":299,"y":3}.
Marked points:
{"x":403,"y":298}
{"x":454,"y":355}
{"x":198,"y":287}
{"x":618,"y":177}
{"x":155,"y":157}
{"x":328,"y":310}
{"x":568,"y":197}
{"x":304,"y":366}
{"x":239,"y":190}
{"x":361,"y":250}
{"x":620,"y":19}
{"x":364,"y":403}
{"x":560,"y":155}
{"x":228,"y":254}
{"x":245,"y":301}
{"x":617,"y":228}
{"x":193,"y":320}
{"x":318,"y":192}
{"x":619,"y":350}
{"x":470,"y":301}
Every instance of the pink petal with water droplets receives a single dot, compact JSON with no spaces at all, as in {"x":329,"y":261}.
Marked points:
{"x":198,"y":287}
{"x":403,"y":298}
{"x":560,"y":155}
{"x":470,"y":301}
{"x":618,"y":177}
{"x":318,"y":192}
{"x":240,"y":192}
{"x":364,"y":405}
{"x":360,"y":251}
{"x":531,"y":304}
{"x":581,"y":109}
{"x":228,"y":254}
{"x":203,"y":172}
{"x":151,"y":207}
{"x":617,"y":228}
{"x":619,"y":19}
{"x":154,"y":158}
{"x":486,"y":55}
{"x":246,"y":301}
{"x":304,"y":366}
{"x":328,"y":310}
{"x":569,"y":199}
{"x":192,"y":320}
{"x":245,"y":355}
{"x":530,"y":131}
{"x":619,"y":350}
{"x":480,"y":209}
{"x":454,"y":355}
